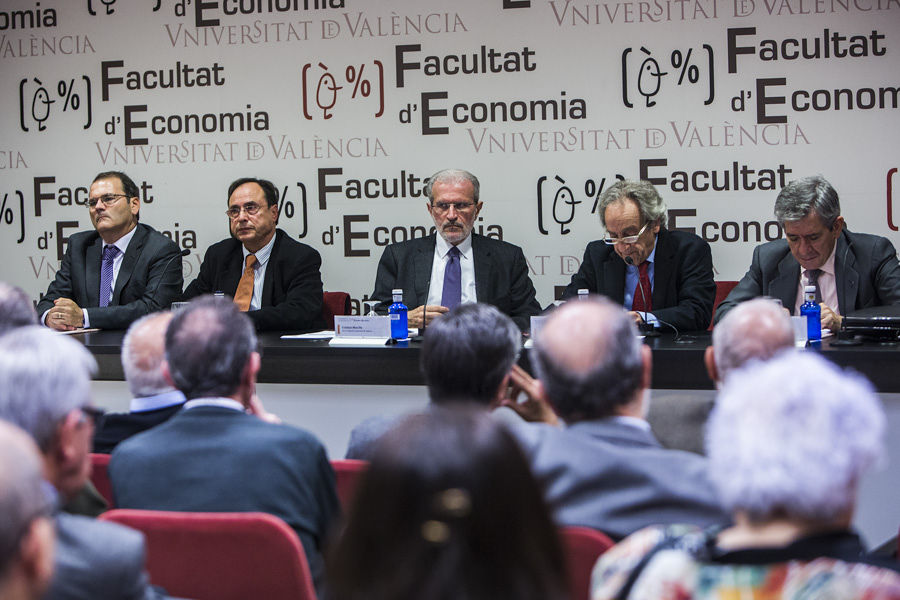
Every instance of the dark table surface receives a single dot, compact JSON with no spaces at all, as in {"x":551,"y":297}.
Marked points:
{"x":676,"y":364}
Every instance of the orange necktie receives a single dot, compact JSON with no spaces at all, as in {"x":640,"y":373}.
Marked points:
{"x":244,"y":291}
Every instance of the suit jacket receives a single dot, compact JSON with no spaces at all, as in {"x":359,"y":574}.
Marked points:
{"x":501,"y":276}
{"x":617,"y":478}
{"x":292,"y":288}
{"x":149,"y":279}
{"x":215,"y":459}
{"x":96,"y":559}
{"x":118,"y":427}
{"x":683,"y":287}
{"x":867,"y":274}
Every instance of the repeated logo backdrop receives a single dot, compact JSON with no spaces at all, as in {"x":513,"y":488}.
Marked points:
{"x":349,"y":105}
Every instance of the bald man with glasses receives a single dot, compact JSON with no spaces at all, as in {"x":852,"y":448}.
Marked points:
{"x":663,"y":278}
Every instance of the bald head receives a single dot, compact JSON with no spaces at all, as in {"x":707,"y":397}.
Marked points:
{"x":589,"y":358}
{"x":143,"y":353}
{"x":753,"y":330}
{"x":16,"y":308}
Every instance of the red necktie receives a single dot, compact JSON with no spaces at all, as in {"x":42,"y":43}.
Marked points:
{"x":642,"y":302}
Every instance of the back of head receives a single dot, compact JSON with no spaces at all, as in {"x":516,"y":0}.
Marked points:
{"x":467,"y":353}
{"x":643,"y":193}
{"x":43,"y":377}
{"x":588,"y":357}
{"x":208,"y":345}
{"x":791,"y":437}
{"x":143,"y":352}
{"x":799,"y":197}
{"x":22,"y":503}
{"x":754,"y":330}
{"x":448,"y":509}
{"x":16,"y":309}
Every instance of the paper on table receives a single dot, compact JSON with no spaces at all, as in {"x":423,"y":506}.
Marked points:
{"x":325,"y":334}
{"x":74,"y":331}
{"x":358,"y":341}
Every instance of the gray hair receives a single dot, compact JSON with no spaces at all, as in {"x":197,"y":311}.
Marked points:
{"x":756,"y":329}
{"x":643,"y":193}
{"x":43,"y":377}
{"x":143,"y":352}
{"x":22,"y":497}
{"x":208,"y":344}
{"x":799,"y":197}
{"x":588,"y":357}
{"x":16,"y":308}
{"x":791,"y":438}
{"x":467,"y":353}
{"x":452,"y":176}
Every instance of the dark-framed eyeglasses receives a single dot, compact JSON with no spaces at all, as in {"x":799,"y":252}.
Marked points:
{"x":630,"y":239}
{"x":251,"y":208}
{"x":106,"y":199}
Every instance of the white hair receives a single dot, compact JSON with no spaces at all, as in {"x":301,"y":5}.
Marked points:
{"x":791,"y":437}
{"x":756,"y":329}
{"x":143,"y":352}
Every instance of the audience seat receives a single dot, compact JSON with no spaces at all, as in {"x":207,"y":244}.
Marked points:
{"x":347,"y":474}
{"x":221,"y":556}
{"x":100,"y":477}
{"x":582,"y":547}
{"x":334,"y":303}
{"x":723,"y":288}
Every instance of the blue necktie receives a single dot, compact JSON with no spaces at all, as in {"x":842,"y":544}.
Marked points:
{"x":452,"y":292}
{"x":106,"y":274}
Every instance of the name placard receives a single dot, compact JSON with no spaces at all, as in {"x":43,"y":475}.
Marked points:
{"x":349,"y":326}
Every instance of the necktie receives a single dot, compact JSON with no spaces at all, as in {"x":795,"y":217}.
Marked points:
{"x":106,"y":274}
{"x":452,"y":292}
{"x":642,"y":301}
{"x":244,"y":291}
{"x":812,"y":278}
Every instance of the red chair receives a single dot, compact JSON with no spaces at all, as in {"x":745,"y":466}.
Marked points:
{"x":582,"y":547}
{"x":221,"y":556}
{"x":334,"y":303}
{"x":100,"y":477}
{"x":347,"y":474}
{"x":723,"y":288}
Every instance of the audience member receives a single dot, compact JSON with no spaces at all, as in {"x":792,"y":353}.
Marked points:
{"x":26,"y":530}
{"x":16,"y":309}
{"x":448,"y":509}
{"x":154,"y":399}
{"x":45,"y":384}
{"x":217,"y":454}
{"x":605,"y":469}
{"x":788,"y":442}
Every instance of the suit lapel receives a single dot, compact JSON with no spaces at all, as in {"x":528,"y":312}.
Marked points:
{"x":484,"y":269}
{"x":846,"y":275}
{"x":232,"y":271}
{"x":614,"y":278}
{"x":135,"y":246}
{"x":92,"y":272}
{"x":784,"y":287}
{"x":663,"y":268}
{"x":423,"y":259}
{"x":269,"y":281}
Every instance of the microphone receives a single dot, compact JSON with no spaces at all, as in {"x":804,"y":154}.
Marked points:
{"x":425,"y":304}
{"x":646,"y":328}
{"x":181,"y":254}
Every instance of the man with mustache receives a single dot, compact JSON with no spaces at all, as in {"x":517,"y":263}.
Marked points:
{"x":455,"y":266}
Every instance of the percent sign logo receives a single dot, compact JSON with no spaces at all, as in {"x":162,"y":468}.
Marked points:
{"x":8,"y":217}
{"x":287,"y":208}
{"x":327,"y":88}
{"x":41,"y":102}
{"x":564,"y":202}
{"x":650,"y":75}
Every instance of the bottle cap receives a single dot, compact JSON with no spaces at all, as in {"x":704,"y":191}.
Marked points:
{"x":810,"y":289}
{"x":395,"y":292}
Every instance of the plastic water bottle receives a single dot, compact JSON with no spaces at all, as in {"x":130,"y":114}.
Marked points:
{"x":397,"y":311}
{"x":813,"y":314}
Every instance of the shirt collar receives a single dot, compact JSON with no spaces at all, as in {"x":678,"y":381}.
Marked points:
{"x":828,"y":266}
{"x":122,"y":242}
{"x":262,"y":255}
{"x":442,"y":246}
{"x":157,"y":401}
{"x":220,"y":402}
{"x":631,"y":421}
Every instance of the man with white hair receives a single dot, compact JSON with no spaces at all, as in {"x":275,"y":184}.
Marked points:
{"x":155,"y":399}
{"x":45,"y":384}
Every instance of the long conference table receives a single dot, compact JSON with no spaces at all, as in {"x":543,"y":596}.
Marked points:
{"x":677,"y":364}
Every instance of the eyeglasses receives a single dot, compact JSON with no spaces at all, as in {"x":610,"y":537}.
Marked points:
{"x":626,"y":240}
{"x":107,"y":199}
{"x":461,"y":207}
{"x":250,"y":208}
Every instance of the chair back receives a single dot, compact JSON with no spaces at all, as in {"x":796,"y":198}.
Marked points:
{"x":582,"y":547}
{"x":347,"y":475}
{"x":723,"y":288}
{"x":334,"y":303}
{"x":100,"y":477}
{"x":221,"y":556}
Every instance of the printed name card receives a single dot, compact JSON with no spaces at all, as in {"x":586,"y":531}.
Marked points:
{"x":362,"y":327}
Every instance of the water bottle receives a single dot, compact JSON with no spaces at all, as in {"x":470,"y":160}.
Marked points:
{"x":813,"y":314}
{"x":397,"y":312}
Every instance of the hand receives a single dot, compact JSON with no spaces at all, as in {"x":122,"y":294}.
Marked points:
{"x":256,"y":408}
{"x":636,"y":316}
{"x":535,"y":408}
{"x":65,"y":315}
{"x":830,"y":319}
{"x":431,"y":312}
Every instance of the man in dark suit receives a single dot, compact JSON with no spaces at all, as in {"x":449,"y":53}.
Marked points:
{"x":604,"y":469}
{"x":663,"y":277}
{"x":439,"y":272}
{"x":221,"y":453}
{"x":272,"y":277}
{"x":851,"y":271}
{"x":45,"y":384}
{"x":154,"y":400}
{"x":120,"y":271}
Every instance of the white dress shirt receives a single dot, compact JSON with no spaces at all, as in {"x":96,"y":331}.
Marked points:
{"x":466,"y":267}
{"x":826,"y":283}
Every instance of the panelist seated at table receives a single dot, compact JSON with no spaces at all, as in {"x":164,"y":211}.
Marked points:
{"x":851,"y":271}
{"x":454,"y":265}
{"x":662,"y":277}
{"x":117,"y":273}
{"x":272,"y":277}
